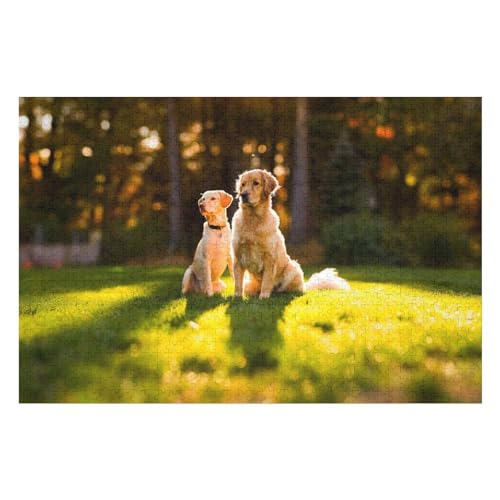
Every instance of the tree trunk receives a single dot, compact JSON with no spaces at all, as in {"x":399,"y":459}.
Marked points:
{"x":274,"y":131}
{"x":174,"y":206}
{"x":300,"y":177}
{"x":227,"y":119}
{"x":51,"y":180}
{"x":28,"y":138}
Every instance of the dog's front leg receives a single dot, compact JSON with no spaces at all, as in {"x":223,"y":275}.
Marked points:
{"x":230,"y":263}
{"x":206,"y":279}
{"x":238,"y":279}
{"x":267,"y":279}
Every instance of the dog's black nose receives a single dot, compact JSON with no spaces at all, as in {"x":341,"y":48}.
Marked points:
{"x":244,"y":197}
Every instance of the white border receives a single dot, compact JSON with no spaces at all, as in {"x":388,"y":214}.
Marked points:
{"x":244,"y":451}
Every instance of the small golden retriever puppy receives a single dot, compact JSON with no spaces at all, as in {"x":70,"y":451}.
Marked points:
{"x":261,"y":263}
{"x":213,"y":252}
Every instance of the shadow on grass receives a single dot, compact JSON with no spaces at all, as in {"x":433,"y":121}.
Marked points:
{"x":196,"y":305}
{"x":79,"y":359}
{"x":254,"y":330}
{"x":54,"y":281}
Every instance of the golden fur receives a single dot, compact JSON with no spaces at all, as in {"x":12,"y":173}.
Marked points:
{"x":213,"y":252}
{"x":258,"y":244}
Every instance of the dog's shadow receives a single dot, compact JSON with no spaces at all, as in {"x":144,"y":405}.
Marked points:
{"x":196,"y":305}
{"x":253,"y":325}
{"x":255,"y":332}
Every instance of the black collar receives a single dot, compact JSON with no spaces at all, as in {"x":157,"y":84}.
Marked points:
{"x":216,"y":227}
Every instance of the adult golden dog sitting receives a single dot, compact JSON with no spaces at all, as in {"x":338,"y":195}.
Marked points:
{"x":258,"y":244}
{"x":261,"y":263}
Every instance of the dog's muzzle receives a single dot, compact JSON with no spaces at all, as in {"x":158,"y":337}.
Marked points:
{"x":244,"y":197}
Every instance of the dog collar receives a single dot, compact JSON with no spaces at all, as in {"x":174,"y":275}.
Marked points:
{"x":216,"y":227}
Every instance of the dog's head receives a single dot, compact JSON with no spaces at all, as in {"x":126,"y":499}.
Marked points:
{"x":255,"y":186}
{"x":214,"y":202}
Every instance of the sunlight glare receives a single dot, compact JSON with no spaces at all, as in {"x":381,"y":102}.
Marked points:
{"x":247,"y":148}
{"x":281,"y":171}
{"x":152,"y":142}
{"x":87,"y":151}
{"x":44,"y":155}
{"x":197,"y":127}
{"x":410,"y":180}
{"x":24,"y":121}
{"x":46,"y":122}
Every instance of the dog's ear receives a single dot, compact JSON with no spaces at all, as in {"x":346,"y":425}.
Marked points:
{"x":225,"y":199}
{"x":271,"y":184}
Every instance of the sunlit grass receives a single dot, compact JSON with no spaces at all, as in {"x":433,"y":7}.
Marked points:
{"x":126,"y":335}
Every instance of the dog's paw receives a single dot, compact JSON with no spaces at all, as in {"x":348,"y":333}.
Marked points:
{"x":264,"y":295}
{"x":219,"y":286}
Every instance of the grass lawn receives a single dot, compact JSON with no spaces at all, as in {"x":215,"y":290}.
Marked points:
{"x":118,"y":334}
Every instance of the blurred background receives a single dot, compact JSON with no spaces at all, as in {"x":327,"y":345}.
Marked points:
{"x":394,"y":181}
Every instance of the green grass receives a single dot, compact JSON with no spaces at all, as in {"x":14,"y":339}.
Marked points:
{"x":117,"y":334}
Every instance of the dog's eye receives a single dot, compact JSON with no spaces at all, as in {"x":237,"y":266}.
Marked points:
{"x":243,"y":184}
{"x":255,"y":183}
{"x":213,"y":198}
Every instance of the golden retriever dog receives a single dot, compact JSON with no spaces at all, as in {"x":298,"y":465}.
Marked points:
{"x":213,"y":252}
{"x":262,"y":265}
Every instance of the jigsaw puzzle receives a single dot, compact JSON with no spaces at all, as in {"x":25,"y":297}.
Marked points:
{"x":381,"y":196}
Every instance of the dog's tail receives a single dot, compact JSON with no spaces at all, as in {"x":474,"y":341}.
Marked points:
{"x":328,"y":279}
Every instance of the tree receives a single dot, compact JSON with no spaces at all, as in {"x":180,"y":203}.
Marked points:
{"x":300,"y":176}
{"x":343,"y":188}
{"x":99,"y":164}
{"x":174,"y":215}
